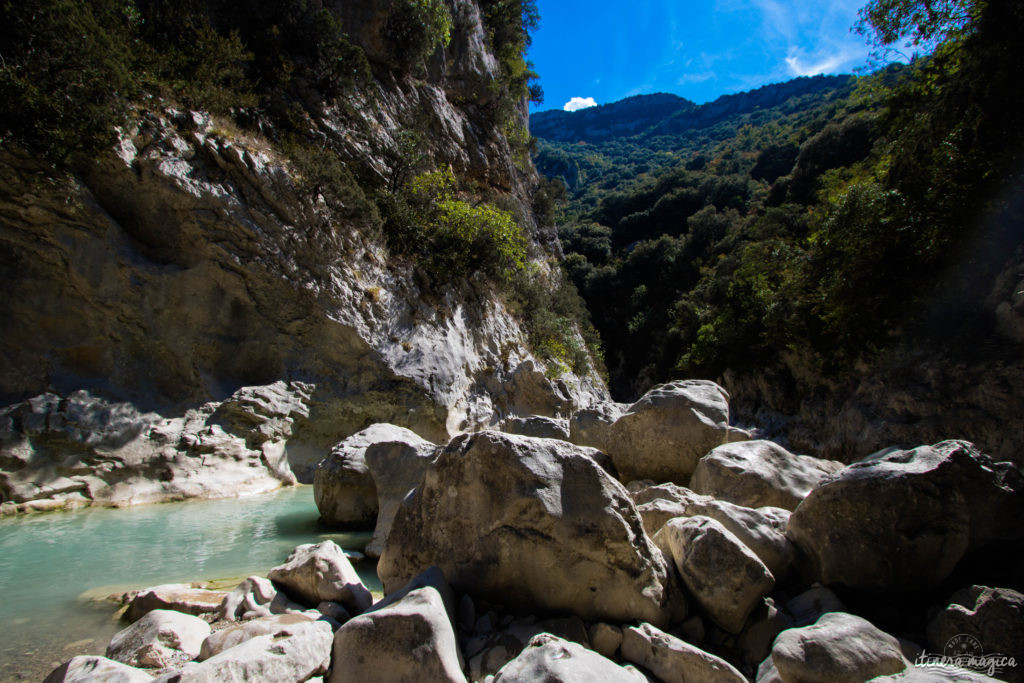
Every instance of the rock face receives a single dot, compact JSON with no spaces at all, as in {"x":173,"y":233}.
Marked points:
{"x":554,"y":660}
{"x":179,"y":597}
{"x":760,"y":473}
{"x":673,"y":660}
{"x":295,"y":653}
{"x":593,"y":426}
{"x":993,"y":617}
{"x":663,"y":435}
{"x":253,"y":598}
{"x":903,"y":519}
{"x":530,"y":522}
{"x":838,"y":647}
{"x":397,"y":468}
{"x":721,"y":573}
{"x":87,"y":669}
{"x":762,"y":530}
{"x":191,"y":261}
{"x":227,"y":638}
{"x":81,"y":449}
{"x":159,"y":639}
{"x":410,"y":639}
{"x":537,"y":426}
{"x":343,"y":487}
{"x":316,"y":572}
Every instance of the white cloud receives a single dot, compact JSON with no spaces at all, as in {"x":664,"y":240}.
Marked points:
{"x":822,"y":63}
{"x":578,"y":103}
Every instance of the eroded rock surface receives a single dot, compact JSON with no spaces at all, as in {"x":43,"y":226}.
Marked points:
{"x":760,"y":473}
{"x":316,"y":572}
{"x":531,"y":522}
{"x":903,"y":519}
{"x":663,"y":435}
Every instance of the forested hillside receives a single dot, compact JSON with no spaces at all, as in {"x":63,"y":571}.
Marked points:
{"x":817,"y":231}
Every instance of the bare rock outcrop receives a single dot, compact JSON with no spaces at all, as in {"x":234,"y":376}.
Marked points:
{"x":663,"y":435}
{"x":343,"y":485}
{"x":760,"y":473}
{"x":904,"y":519}
{"x":531,"y":522}
{"x":838,"y":647}
{"x":318,"y":572}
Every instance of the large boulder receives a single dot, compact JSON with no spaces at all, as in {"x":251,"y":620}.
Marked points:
{"x":593,"y":426}
{"x":762,"y":530}
{"x":664,"y":434}
{"x":722,"y":574}
{"x":316,"y":572}
{"x":180,"y":597}
{"x":673,"y":660}
{"x":537,"y":426}
{"x":552,"y":659}
{"x":297,"y":653}
{"x":160,"y":639}
{"x":990,"y":619}
{"x":397,"y":467}
{"x":229,"y":637}
{"x":343,"y":486}
{"x":760,"y":473}
{"x":903,"y":519}
{"x":408,"y":640}
{"x":530,"y":522}
{"x":90,"y":668}
{"x":839,"y":647}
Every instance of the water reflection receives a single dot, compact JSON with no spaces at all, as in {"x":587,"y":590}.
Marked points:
{"x":48,"y":561}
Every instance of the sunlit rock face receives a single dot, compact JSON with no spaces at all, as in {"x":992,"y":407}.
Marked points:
{"x":189,"y":262}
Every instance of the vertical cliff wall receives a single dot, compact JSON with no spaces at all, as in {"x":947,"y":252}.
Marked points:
{"x":190,"y":300}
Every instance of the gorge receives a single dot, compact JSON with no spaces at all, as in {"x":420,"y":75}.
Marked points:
{"x":306,"y":248}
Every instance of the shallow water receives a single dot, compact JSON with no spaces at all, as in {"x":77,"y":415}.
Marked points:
{"x":56,"y":567}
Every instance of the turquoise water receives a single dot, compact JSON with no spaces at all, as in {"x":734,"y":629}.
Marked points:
{"x":54,"y":567}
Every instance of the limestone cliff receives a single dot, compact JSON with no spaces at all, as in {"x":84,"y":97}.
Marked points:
{"x":185,"y":305}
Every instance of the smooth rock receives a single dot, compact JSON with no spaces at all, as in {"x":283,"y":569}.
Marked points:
{"x":673,"y":660}
{"x":256,"y":597}
{"x":297,"y":653}
{"x":159,"y":639}
{"x":763,"y":530}
{"x":593,"y":426}
{"x":344,"y":489}
{"x":537,"y":426}
{"x":397,"y":467}
{"x":317,"y":572}
{"x":227,"y":638}
{"x":605,"y":638}
{"x":839,"y":647}
{"x":993,"y":617}
{"x":530,"y":522}
{"x":90,"y":669}
{"x":722,"y":574}
{"x":179,"y":597}
{"x":760,"y":473}
{"x":664,"y":434}
{"x":551,"y":659}
{"x":903,"y":519}
{"x":409,"y":640}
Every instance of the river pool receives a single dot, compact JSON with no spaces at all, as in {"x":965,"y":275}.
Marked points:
{"x":55,"y":568}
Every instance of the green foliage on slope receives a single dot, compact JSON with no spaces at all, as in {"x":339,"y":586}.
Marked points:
{"x":829,"y":226}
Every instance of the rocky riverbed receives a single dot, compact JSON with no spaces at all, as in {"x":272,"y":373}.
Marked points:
{"x":519,"y":557}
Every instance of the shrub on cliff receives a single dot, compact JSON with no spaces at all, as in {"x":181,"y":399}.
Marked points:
{"x":426,"y":218}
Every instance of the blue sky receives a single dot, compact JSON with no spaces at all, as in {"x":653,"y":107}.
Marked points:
{"x":700,"y":49}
